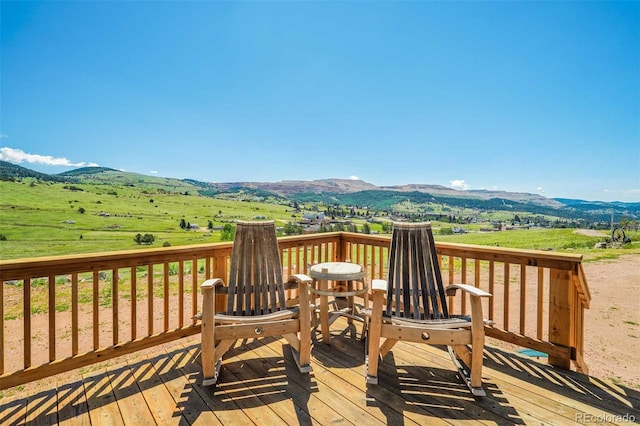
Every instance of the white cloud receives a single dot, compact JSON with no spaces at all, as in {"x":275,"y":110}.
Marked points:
{"x":459,"y":184}
{"x":18,"y":156}
{"x":154,"y":172}
{"x":354,"y":178}
{"x":540,"y":190}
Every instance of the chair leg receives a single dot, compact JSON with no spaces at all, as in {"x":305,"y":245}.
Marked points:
{"x":465,"y":373}
{"x":477,"y":347}
{"x":303,"y":357}
{"x":210,"y":368}
{"x":213,"y":379}
{"x":373,"y":339}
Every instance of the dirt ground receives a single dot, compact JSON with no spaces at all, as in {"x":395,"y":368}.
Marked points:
{"x":612,"y":324}
{"x":612,"y":330}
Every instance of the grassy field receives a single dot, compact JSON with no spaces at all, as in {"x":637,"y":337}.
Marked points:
{"x":45,"y":219}
{"x":42,"y":219}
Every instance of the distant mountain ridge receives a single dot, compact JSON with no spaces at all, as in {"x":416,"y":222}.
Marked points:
{"x":289,"y":188}
{"x":343,"y":191}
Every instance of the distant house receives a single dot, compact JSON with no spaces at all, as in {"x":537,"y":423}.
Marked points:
{"x":314,"y":216}
{"x":194,"y":226}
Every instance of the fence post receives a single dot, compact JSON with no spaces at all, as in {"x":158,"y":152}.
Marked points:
{"x":560,"y":317}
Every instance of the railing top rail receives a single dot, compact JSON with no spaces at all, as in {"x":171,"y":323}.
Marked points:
{"x":20,"y":268}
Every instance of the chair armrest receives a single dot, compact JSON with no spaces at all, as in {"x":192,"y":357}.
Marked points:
{"x":211,"y":283}
{"x":379,"y":285}
{"x":473,"y":291}
{"x":299,"y":278}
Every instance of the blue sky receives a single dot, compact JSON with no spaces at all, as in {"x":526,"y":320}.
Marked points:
{"x":539,"y":97}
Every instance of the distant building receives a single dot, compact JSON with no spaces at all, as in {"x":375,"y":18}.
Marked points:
{"x":314,"y":216}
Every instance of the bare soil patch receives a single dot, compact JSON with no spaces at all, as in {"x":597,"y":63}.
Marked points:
{"x":591,"y":233}
{"x":612,"y":324}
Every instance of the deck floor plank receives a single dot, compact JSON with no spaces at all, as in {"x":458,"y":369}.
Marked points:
{"x":337,"y":392}
{"x":226,"y":410}
{"x":157,"y":396}
{"x":350,"y":366}
{"x":336,"y":406}
{"x":72,"y":404}
{"x":299,"y":387}
{"x":439,"y":372}
{"x":42,"y":408}
{"x":274,"y":390}
{"x":194,"y":409}
{"x":260,"y":384}
{"x":13,"y":412}
{"x":131,"y":402}
{"x":101,"y":401}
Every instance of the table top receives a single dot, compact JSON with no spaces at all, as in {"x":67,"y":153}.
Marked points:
{"x":339,"y":271}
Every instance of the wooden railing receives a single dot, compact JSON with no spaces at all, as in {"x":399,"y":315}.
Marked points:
{"x":64,"y":312}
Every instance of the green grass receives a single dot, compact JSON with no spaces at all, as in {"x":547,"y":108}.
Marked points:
{"x":563,"y":240}
{"x":34,"y":219}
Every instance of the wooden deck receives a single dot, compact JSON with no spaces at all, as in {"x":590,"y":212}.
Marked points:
{"x":261,"y":386}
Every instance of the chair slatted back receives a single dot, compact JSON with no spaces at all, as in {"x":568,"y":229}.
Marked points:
{"x":255,"y":282}
{"x":415,"y":282}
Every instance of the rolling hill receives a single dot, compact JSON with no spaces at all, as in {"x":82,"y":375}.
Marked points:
{"x":345,"y":192}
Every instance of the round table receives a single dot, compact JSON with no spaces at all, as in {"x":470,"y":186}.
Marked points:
{"x":338,"y":272}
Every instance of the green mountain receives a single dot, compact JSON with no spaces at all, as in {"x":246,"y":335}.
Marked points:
{"x":346,"y":192}
{"x":12,"y":172}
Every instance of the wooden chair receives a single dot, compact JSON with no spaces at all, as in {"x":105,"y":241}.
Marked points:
{"x":256,"y":305}
{"x":416,"y":307}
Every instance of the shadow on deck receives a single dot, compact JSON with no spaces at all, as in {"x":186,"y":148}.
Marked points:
{"x":258,"y":385}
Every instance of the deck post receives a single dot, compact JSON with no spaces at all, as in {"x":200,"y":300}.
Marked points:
{"x":560,"y":318}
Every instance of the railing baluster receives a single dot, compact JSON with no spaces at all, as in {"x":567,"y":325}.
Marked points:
{"x":134,"y":303}
{"x":506,"y":307}
{"x":114,"y":305}
{"x":181,"y":294}
{"x":463,"y":280}
{"x":314,"y":258}
{"x":523,"y":298}
{"x":52,"y":318}
{"x":74,"y":314}
{"x":450,"y":259}
{"x":27,"y":321}
{"x":365,"y":258}
{"x":195,"y":289}
{"x":540,"y":304}
{"x":492,"y":278}
{"x":96,"y":323}
{"x":381,"y":252}
{"x":149,"y":299}
{"x":165,"y":293}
